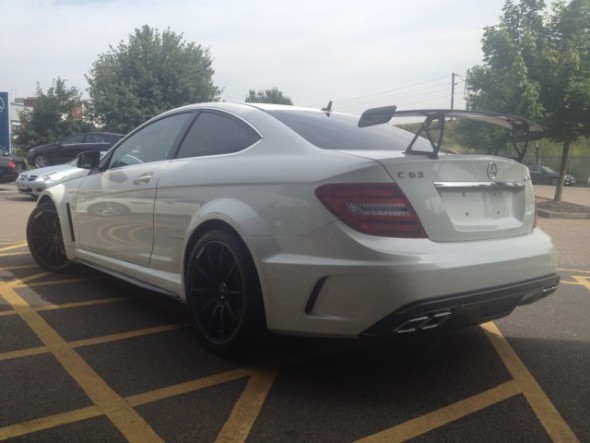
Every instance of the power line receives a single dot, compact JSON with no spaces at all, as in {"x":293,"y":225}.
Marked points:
{"x":385,"y":92}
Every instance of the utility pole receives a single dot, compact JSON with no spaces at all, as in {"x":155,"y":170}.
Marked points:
{"x":453,"y":91}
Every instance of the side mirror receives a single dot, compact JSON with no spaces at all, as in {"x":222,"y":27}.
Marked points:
{"x":88,"y":160}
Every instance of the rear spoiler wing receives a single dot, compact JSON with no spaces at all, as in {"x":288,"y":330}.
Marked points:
{"x":521,"y":129}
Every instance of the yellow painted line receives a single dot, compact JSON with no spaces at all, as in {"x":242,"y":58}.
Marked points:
{"x":125,"y":335}
{"x":30,"y":278}
{"x":548,"y":415}
{"x":441,"y":417}
{"x":7,"y":313}
{"x":81,"y":304}
{"x":573,"y":270}
{"x":579,"y":281}
{"x":69,"y":417}
{"x":17,"y":267}
{"x":121,"y":414}
{"x":12,"y":254}
{"x":189,"y":386}
{"x":246,"y":410}
{"x":25,"y":284}
{"x":93,"y":341}
{"x":23,"y":353}
{"x":51,"y":421}
{"x":52,"y":307}
{"x":14,"y":246}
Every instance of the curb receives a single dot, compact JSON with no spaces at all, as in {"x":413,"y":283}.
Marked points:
{"x":551,"y":214}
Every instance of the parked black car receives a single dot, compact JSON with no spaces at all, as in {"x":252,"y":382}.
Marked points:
{"x":69,"y":147}
{"x":10,"y":165}
{"x":547,"y":176}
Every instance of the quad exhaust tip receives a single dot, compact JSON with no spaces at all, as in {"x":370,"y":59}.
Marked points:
{"x":426,"y":321}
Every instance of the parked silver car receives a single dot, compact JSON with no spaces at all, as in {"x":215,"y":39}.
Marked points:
{"x":35,"y":181}
{"x":303,"y":221}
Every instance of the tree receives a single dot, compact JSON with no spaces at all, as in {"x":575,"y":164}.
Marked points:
{"x":537,"y":68}
{"x":273,"y":95}
{"x":508,"y":81}
{"x":151,"y":73}
{"x":57,"y":113}
{"x":566,"y":89}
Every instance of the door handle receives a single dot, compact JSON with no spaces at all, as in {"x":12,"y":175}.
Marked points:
{"x":145,"y":178}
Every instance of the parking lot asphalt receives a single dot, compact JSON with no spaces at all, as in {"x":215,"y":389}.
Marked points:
{"x":84,"y":357}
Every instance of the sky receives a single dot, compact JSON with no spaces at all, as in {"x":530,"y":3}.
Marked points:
{"x":358,"y":54}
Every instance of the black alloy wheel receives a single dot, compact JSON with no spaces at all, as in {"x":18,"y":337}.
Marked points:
{"x":224,"y":295}
{"x":45,"y":239}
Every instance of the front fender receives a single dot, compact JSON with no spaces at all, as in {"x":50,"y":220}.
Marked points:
{"x":59,"y":196}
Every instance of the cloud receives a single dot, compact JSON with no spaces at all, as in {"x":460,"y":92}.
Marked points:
{"x":313,"y":51}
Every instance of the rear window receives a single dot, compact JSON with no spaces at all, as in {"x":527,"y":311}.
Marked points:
{"x":338,"y":131}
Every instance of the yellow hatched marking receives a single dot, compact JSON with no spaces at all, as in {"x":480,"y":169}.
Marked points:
{"x":7,"y":313}
{"x":17,"y":267}
{"x":125,"y":335}
{"x":190,"y":386}
{"x":92,"y":341}
{"x":123,"y":416}
{"x":81,"y":304}
{"x":51,"y":421}
{"x":52,"y":307}
{"x":548,"y":415}
{"x":579,"y":281}
{"x":246,"y":410}
{"x":29,"y":278}
{"x":15,"y":246}
{"x":52,"y":282}
{"x":12,"y":254}
{"x":436,"y":419}
{"x":23,"y":353}
{"x":574,"y":270}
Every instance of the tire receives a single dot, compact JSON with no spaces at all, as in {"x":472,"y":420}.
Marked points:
{"x":46,"y":240}
{"x":41,"y":161}
{"x":223,"y":294}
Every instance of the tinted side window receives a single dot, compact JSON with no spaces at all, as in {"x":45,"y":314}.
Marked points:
{"x":94,"y":138}
{"x":72,"y":139}
{"x":111,"y":138}
{"x":151,"y":143}
{"x":214,"y":134}
{"x":337,"y":131}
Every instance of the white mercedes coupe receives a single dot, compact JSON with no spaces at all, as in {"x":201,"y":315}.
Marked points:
{"x":305,"y":222}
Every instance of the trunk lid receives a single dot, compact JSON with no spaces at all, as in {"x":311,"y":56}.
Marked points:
{"x":464,"y":198}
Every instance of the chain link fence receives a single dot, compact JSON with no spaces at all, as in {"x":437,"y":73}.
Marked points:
{"x":579,"y":167}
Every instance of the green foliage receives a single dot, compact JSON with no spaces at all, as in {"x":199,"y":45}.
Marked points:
{"x":566,"y":89}
{"x":57,"y":113}
{"x":509,"y":79}
{"x":273,"y":95}
{"x":151,"y":73}
{"x":537,"y":67}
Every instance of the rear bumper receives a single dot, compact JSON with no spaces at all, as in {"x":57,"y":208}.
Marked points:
{"x":465,"y":309}
{"x":366,"y":279}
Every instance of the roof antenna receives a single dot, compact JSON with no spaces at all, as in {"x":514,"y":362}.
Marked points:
{"x":328,"y":109}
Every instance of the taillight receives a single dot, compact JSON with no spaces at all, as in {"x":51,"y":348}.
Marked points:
{"x":372,"y":208}
{"x":12,"y":165}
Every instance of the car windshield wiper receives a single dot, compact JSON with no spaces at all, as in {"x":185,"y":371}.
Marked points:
{"x":521,"y":129}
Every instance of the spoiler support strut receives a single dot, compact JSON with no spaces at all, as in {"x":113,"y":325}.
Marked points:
{"x":521,"y":130}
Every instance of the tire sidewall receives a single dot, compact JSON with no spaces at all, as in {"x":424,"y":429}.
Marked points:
{"x":45,"y":207}
{"x":252,"y":324}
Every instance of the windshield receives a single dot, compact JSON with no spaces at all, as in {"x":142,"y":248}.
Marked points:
{"x":341,"y":132}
